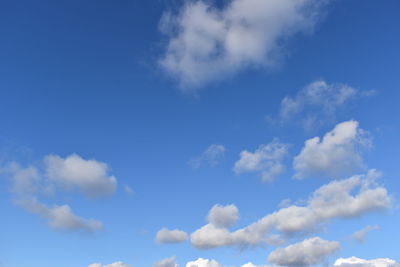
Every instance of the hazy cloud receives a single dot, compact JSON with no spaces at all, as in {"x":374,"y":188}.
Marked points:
{"x":317,"y":103}
{"x":266,"y":160}
{"x":211,"y":156}
{"x":335,"y":155}
{"x":359,"y":236}
{"x":165,"y":236}
{"x":308,"y":252}
{"x":207,"y":43}
{"x":115,"y":264}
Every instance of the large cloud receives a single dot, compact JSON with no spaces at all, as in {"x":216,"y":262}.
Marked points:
{"x":336,"y":155}
{"x":166,"y":236}
{"x":206,"y":43}
{"x":308,"y":252}
{"x":32,"y":183}
{"x":348,"y":198}
{"x":267,"y":160}
{"x":115,"y":264}
{"x":357,"y":262}
{"x":73,"y":172}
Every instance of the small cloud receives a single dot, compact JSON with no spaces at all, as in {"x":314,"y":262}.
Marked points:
{"x":266,"y":160}
{"x":359,"y":236}
{"x":166,"y":236}
{"x":223,"y":216}
{"x":211,"y":156}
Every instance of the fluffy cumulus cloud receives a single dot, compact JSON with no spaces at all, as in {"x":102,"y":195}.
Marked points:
{"x":73,"y":172}
{"x":308,"y":252}
{"x":211,"y":156}
{"x":266,"y":160}
{"x":223,"y":216}
{"x":166,"y":236}
{"x":206,"y":43}
{"x":359,"y":236}
{"x":168,"y":262}
{"x":317,"y":103}
{"x":357,"y":262}
{"x":200,"y":262}
{"x":115,"y":264}
{"x":32,"y":183}
{"x":335,"y":155}
{"x":347,"y":198}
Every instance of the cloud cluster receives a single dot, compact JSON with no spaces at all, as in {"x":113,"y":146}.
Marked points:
{"x":308,"y":252}
{"x":317,"y":103}
{"x":166,"y":236}
{"x":71,"y":173}
{"x":206,"y":43}
{"x":267,"y":160}
{"x":335,"y":155}
{"x":115,"y":264}
{"x":211,"y":156}
{"x":347,"y":198}
{"x":357,"y":262}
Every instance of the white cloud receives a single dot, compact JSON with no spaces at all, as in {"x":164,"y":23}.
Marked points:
{"x":359,"y":236}
{"x":223,"y":216}
{"x":267,"y":160}
{"x":165,"y":236}
{"x":357,"y":262}
{"x":336,"y":155}
{"x":73,"y":172}
{"x":200,"y":262}
{"x":317,"y":103}
{"x":308,"y":252}
{"x":211,"y":156}
{"x":115,"y":264}
{"x":348,"y":198}
{"x":207,"y":43}
{"x":168,"y":262}
{"x":31,"y":183}
{"x":60,"y":217}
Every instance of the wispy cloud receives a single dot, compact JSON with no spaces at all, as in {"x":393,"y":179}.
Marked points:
{"x":211,"y":156}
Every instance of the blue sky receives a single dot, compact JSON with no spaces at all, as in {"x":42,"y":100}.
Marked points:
{"x":123,"y":121}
